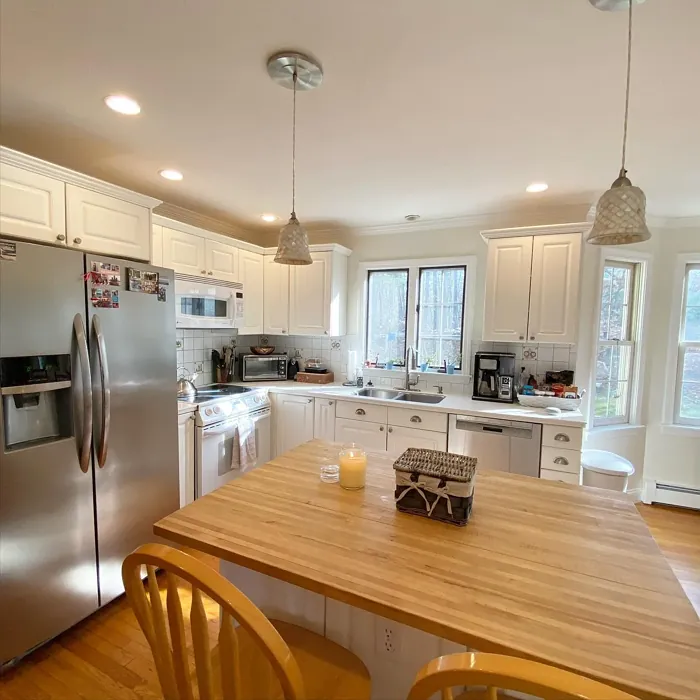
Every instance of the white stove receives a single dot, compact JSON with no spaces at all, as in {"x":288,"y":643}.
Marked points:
{"x":220,"y":410}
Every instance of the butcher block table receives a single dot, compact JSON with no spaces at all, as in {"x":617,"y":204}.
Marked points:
{"x":544,"y":570}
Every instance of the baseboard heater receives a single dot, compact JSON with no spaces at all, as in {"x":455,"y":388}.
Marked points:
{"x":673,"y":494}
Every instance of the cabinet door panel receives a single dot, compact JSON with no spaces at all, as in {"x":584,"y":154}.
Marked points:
{"x":294,"y":423}
{"x":324,"y":419}
{"x":400,"y":439}
{"x":107,"y":225}
{"x":183,"y":252}
{"x":221,"y":260}
{"x":310,"y":296}
{"x":31,"y":205}
{"x":507,"y":289}
{"x":370,"y":436}
{"x":554,"y":294}
{"x":157,"y":245}
{"x":250,"y":273}
{"x":276,"y":297}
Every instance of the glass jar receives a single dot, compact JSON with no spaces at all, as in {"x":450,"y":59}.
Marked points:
{"x":353,"y":466}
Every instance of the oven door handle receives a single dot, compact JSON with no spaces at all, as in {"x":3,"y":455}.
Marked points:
{"x":227,"y":425}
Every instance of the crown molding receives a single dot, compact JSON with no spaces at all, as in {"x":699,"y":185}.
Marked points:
{"x":193,"y":218}
{"x":42,"y":167}
{"x":319,"y":248}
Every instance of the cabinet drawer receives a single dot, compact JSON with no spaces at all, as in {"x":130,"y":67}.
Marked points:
{"x":562,"y":437}
{"x":559,"y":460}
{"x":361,"y":410}
{"x":424,"y":420}
{"x":559,"y":476}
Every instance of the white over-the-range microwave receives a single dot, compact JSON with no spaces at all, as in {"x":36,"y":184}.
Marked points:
{"x":202,"y":302}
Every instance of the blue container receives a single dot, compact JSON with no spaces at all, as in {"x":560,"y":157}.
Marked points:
{"x":450,"y":369}
{"x":389,"y":365}
{"x":423,"y":366}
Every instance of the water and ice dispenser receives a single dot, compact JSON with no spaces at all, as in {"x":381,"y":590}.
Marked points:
{"x":36,"y":399}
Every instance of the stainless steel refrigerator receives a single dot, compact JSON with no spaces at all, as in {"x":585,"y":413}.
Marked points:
{"x":88,"y":431}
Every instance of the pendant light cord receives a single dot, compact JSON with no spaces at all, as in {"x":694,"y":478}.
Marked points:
{"x":294,"y":144}
{"x":627,"y":90}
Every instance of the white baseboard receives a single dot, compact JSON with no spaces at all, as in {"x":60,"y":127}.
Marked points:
{"x":671,"y":494}
{"x":635,"y":494}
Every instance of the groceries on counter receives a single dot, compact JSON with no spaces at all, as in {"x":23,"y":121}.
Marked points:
{"x":558,"y":385}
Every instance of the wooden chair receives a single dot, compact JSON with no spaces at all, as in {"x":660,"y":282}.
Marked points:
{"x":258,"y":660}
{"x":506,"y":673}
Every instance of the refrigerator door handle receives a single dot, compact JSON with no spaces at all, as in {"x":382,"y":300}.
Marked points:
{"x":106,"y":393}
{"x":86,"y":443}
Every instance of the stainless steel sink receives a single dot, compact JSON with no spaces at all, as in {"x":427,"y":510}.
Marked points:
{"x":379,"y":393}
{"x":420,"y":398}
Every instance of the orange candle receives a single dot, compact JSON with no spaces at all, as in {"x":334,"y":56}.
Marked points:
{"x":353,"y":467}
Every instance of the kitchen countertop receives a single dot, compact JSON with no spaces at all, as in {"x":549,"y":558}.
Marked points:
{"x":562,"y":574}
{"x":453,"y":403}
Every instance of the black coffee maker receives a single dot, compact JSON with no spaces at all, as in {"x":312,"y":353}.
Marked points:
{"x":494,"y":376}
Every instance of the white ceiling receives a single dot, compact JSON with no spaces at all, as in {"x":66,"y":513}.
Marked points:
{"x":446,"y":108}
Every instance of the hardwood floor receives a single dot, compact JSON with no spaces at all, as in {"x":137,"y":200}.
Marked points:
{"x":106,"y":657}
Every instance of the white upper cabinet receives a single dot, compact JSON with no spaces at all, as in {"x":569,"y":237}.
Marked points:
{"x":275,"y":297}
{"x":507,"y":289}
{"x":532,"y":288}
{"x":32,"y":205}
{"x":107,"y":225}
{"x":318,"y":295}
{"x":157,"y":246}
{"x":221,"y":260}
{"x":554,"y":291}
{"x":183,"y":252}
{"x":250,"y":273}
{"x":310,"y":296}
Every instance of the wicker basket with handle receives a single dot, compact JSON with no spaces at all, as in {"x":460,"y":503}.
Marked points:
{"x":437,"y":485}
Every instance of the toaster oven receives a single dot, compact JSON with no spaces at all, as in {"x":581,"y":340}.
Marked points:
{"x":259,"y":368}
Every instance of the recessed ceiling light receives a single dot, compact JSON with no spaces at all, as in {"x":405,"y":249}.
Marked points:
{"x":412,"y":217}
{"x":269,"y":218}
{"x":537,"y":187}
{"x":123,"y":104}
{"x":170,"y":174}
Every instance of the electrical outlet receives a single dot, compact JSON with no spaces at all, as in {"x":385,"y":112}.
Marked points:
{"x":387,"y":639}
{"x":199,"y":367}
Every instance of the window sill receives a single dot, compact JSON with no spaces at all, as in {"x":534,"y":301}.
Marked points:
{"x":619,"y":428}
{"x":691,"y":431}
{"x":458,"y":375}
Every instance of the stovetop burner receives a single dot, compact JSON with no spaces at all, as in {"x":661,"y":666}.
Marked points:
{"x":217,"y":402}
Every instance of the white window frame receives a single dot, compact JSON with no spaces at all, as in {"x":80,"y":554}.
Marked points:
{"x":414,"y":266}
{"x":677,"y":348}
{"x":639,"y":323}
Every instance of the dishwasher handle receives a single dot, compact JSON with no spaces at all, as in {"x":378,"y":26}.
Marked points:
{"x":494,"y":427}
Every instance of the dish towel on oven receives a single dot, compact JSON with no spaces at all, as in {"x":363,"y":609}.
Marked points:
{"x":243,"y":453}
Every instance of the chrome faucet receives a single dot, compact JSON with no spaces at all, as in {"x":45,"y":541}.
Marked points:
{"x":410,"y":364}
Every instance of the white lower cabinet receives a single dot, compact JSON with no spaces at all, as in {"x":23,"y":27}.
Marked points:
{"x":399,"y":439}
{"x":293,"y":421}
{"x":370,"y":436}
{"x":185,"y":446}
{"x":324,"y":419}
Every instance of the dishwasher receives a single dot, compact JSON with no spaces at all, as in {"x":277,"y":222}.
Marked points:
{"x":501,"y":445}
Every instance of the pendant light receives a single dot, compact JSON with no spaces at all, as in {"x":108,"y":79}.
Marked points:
{"x":294,"y":71}
{"x":621,"y":212}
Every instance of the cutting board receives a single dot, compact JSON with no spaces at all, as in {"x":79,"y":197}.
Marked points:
{"x":310,"y":378}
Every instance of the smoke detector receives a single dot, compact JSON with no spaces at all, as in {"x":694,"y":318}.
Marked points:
{"x":412,"y":217}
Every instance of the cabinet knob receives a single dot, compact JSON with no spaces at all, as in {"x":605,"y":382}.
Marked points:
{"x":204,"y":272}
{"x":522,"y":337}
{"x":532,"y":337}
{"x":325,"y":332}
{"x":309,"y":400}
{"x":562,"y":437}
{"x":77,"y":241}
{"x":60,"y":237}
{"x":390,"y":429}
{"x":381,"y":428}
{"x":416,"y":419}
{"x":330,"y":403}
{"x":561,"y":460}
{"x":359,"y":411}
{"x":284,"y":330}
{"x":210,"y":272}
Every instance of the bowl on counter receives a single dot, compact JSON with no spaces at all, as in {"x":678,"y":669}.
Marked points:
{"x":262,"y":349}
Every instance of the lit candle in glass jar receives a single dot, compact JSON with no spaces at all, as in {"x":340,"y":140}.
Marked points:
{"x":353,"y":467}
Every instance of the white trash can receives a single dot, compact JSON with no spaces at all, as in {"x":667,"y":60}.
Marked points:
{"x":606,"y":470}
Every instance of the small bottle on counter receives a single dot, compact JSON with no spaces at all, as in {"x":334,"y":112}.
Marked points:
{"x":292,"y":368}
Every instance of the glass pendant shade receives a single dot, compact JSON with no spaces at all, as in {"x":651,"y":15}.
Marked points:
{"x":293,"y":244}
{"x":620,"y":216}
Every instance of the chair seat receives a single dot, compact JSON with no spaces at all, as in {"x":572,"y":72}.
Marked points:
{"x":330,"y":671}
